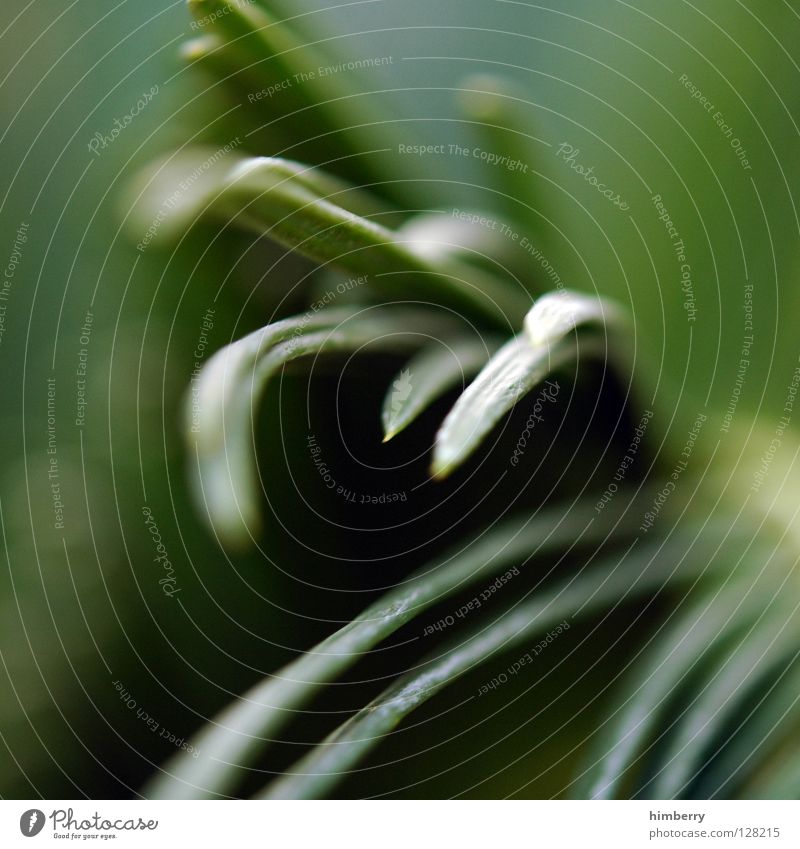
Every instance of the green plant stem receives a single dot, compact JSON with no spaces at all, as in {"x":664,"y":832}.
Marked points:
{"x":437,"y":369}
{"x":771,"y":719}
{"x":495,"y":106}
{"x":746,"y":666}
{"x":594,"y":588}
{"x":230,"y":385}
{"x":696,"y":635}
{"x":239,"y":733}
{"x":291,"y":204}
{"x":325,"y":116}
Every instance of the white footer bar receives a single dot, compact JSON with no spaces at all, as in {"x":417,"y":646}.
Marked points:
{"x":401,"y":824}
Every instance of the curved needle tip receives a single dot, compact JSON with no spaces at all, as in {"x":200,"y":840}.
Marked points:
{"x":441,"y":469}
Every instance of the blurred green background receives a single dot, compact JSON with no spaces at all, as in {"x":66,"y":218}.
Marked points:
{"x":82,"y":607}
